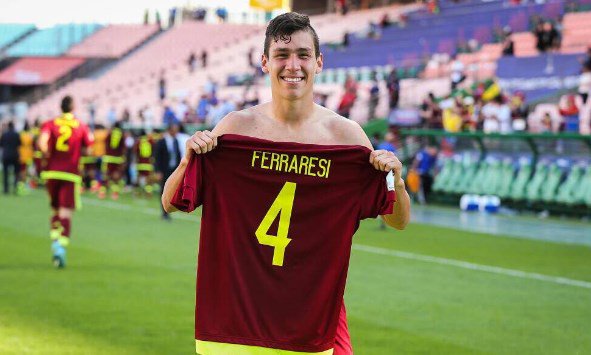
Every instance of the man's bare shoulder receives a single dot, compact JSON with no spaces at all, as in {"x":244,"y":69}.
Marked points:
{"x":236,"y":122}
{"x":344,"y":130}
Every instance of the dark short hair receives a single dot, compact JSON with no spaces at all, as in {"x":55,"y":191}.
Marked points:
{"x":283,"y":26}
{"x":67,"y":104}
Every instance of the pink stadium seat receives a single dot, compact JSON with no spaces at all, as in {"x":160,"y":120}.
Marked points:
{"x":113,"y":41}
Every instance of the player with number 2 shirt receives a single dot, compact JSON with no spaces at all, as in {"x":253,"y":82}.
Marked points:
{"x":63,"y":140}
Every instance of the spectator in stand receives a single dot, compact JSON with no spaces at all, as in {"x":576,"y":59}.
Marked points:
{"x":202,"y":108}
{"x":585,"y":84}
{"x":349,"y":97}
{"x":374,"y":31}
{"x":204,"y":59}
{"x":490,"y":115}
{"x":385,"y":22}
{"x":546,"y":124}
{"x":374,"y":97}
{"x":162,"y":85}
{"x":433,"y":6}
{"x":148,"y":122}
{"x":10,"y":142}
{"x":346,"y":39}
{"x":457,"y":72}
{"x":222,"y":14}
{"x":452,"y":117}
{"x":504,"y":115}
{"x":508,"y":49}
{"x":547,"y":38}
{"x":182,"y":108}
{"x":388,"y":143}
{"x":250,"y":56}
{"x":112,"y":116}
{"x":126,"y":116}
{"x":430,"y":112}
{"x":200,"y":14}
{"x":342,"y":7}
{"x":393,"y":85}
{"x":586,"y":62}
{"x":169,"y":118}
{"x":158,"y":20}
{"x":171,"y":16}
{"x":568,"y":106}
{"x":192,"y":61}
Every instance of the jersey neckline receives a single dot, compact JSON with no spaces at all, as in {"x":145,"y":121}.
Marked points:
{"x":240,"y":137}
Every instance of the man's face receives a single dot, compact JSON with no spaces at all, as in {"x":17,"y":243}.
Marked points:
{"x":292,"y":66}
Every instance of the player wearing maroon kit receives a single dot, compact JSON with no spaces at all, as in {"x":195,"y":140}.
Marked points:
{"x":113,"y":162}
{"x":144,"y":148}
{"x":63,"y":140}
{"x":282,"y":195}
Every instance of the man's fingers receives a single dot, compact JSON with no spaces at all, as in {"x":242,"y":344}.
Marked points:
{"x":200,"y":145}
{"x":212,"y":137}
{"x":375,"y":154}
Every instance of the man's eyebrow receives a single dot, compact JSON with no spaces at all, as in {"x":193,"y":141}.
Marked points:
{"x":302,"y":49}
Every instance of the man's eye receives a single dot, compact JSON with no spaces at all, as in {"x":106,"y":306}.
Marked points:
{"x":304,"y":56}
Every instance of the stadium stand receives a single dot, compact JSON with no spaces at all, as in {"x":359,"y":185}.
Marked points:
{"x":112,"y":41}
{"x":53,"y":41}
{"x":132,"y":82}
{"x":38,"y":71}
{"x":576,"y":32}
{"x":10,"y":33}
{"x":426,"y":34}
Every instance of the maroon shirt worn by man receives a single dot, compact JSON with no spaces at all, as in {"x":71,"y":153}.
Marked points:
{"x":276,"y":231}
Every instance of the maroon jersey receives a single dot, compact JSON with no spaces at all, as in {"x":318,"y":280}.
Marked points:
{"x":276,"y":231}
{"x":143,"y":150}
{"x":115,"y":146}
{"x":67,"y":136}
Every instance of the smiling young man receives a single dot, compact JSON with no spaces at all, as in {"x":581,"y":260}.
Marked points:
{"x":283,"y":187}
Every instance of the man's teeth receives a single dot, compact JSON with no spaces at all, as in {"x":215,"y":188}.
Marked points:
{"x":292,"y":80}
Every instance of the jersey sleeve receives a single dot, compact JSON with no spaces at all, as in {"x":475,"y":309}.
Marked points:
{"x":376,"y":199}
{"x":88,"y":138}
{"x":189,"y":194}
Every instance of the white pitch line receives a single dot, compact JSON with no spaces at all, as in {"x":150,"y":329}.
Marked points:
{"x":472,"y":266}
{"x":145,"y":210}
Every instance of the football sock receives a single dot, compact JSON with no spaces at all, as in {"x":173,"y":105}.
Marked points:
{"x":55,"y":228}
{"x":64,"y":239}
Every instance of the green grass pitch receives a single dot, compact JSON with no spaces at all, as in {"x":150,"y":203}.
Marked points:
{"x":129,"y":287}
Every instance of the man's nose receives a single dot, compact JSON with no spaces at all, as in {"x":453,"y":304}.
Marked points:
{"x":293,"y":63}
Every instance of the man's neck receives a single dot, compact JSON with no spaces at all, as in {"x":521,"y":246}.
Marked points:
{"x":292,"y":111}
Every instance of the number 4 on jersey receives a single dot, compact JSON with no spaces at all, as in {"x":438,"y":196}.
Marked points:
{"x":283,"y":204}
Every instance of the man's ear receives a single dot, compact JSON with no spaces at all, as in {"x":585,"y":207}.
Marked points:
{"x":319,"y":63}
{"x":264,"y":64}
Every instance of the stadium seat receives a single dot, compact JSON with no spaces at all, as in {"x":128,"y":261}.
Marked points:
{"x":535,"y":186}
{"x":550,"y":188}
{"x":445,"y":174}
{"x":469,"y":173}
{"x":506,"y":179}
{"x":523,"y":176}
{"x":569,"y":191}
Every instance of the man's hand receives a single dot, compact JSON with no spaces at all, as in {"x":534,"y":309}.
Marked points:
{"x":200,"y":143}
{"x":385,"y":160}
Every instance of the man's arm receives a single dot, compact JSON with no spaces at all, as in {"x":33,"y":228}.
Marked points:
{"x":200,"y":143}
{"x":44,"y":143}
{"x":384,"y":160}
